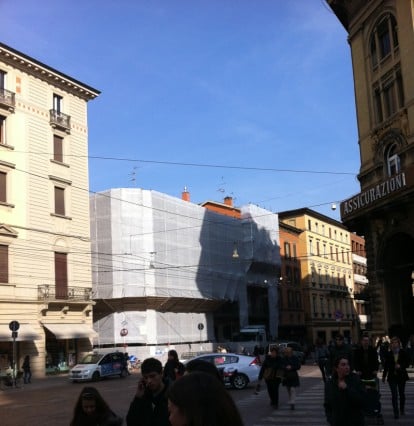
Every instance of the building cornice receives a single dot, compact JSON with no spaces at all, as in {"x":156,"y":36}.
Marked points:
{"x":48,"y":74}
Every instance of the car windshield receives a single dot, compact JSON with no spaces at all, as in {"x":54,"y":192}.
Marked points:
{"x":91,"y":359}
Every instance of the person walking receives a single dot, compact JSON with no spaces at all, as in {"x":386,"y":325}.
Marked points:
{"x":173,"y":368}
{"x":321,"y":356}
{"x":337,"y":350}
{"x":149,"y":406}
{"x":27,"y":372}
{"x":395,"y":371}
{"x":290,"y":365}
{"x":272,"y":373}
{"x":199,"y":399}
{"x":344,"y":396}
{"x":366,"y":362}
{"x":92,"y":410}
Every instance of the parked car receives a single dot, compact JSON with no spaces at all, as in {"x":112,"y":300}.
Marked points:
{"x":97,"y":365}
{"x":296,"y":347}
{"x":237,"y":370}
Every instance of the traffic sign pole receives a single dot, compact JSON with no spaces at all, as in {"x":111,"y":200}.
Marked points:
{"x":14,"y":327}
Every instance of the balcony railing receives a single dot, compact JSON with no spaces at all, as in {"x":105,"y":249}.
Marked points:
{"x":60,"y":120}
{"x":7,"y":99}
{"x":48,"y":292}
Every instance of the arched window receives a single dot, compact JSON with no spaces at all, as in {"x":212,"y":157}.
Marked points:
{"x":392,"y":160}
{"x":384,"y":39}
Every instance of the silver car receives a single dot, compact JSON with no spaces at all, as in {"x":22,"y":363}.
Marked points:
{"x":237,"y":370}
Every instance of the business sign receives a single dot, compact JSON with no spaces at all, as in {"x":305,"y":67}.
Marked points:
{"x":374,"y":194}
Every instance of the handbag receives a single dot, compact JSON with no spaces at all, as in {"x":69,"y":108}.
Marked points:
{"x":269,"y":374}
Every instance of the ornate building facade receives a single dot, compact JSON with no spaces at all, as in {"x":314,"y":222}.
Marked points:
{"x":381,"y":37}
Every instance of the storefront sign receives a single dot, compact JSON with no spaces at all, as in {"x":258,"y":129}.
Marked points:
{"x":370,"y":196}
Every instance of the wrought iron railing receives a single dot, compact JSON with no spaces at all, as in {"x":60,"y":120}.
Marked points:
{"x":7,"y":98}
{"x":50,"y":292}
{"x":59,"y":119}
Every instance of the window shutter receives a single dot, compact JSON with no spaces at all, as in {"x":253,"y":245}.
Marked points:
{"x":4,"y":264}
{"x":58,"y":148}
{"x":61,"y":275}
{"x":3,"y":187}
{"x":59,"y":201}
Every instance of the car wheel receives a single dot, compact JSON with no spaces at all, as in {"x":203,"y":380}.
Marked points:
{"x":95,"y":376}
{"x":240,"y":381}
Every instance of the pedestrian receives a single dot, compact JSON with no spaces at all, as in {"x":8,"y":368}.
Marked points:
{"x":395,"y":371}
{"x":337,"y":350}
{"x":27,"y":372}
{"x":321,"y":356}
{"x":291,"y":365}
{"x":173,"y":368}
{"x":272,"y":373}
{"x":204,"y":366}
{"x":149,"y":406}
{"x":199,"y":399}
{"x":344,"y":396}
{"x":410,"y":349}
{"x":366,"y":362}
{"x":92,"y":410}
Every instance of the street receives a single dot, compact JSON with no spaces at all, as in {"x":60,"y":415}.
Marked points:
{"x":50,"y":401}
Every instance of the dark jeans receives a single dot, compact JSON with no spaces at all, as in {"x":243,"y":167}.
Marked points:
{"x":397,"y":390}
{"x":273,"y":390}
{"x":27,"y":375}
{"x":322,"y":366}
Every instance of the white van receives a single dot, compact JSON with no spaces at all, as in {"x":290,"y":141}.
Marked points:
{"x":97,"y":365}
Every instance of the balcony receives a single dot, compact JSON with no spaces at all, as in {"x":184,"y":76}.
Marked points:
{"x":59,"y":120}
{"x":338,"y":290}
{"x":48,"y":293}
{"x":7,"y":99}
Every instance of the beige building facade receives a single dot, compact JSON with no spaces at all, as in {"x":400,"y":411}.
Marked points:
{"x":45,"y":264}
{"x":326,"y":275}
{"x":381,"y":37}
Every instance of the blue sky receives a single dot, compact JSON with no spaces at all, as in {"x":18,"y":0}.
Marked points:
{"x":240,"y":88}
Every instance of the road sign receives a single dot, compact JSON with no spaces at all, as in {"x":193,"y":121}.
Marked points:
{"x":14,"y":325}
{"x":200,"y":326}
{"x":338,"y":315}
{"x":124,"y":332}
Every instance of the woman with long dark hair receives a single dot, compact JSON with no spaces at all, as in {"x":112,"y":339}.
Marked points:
{"x":344,"y":396}
{"x":173,"y":368}
{"x":92,"y":410}
{"x":200,"y":399}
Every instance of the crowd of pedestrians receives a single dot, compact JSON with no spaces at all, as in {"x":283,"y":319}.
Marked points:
{"x":195,"y":395}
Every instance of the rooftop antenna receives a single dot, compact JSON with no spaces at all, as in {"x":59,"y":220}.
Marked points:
{"x":221,"y":185}
{"x":133,"y":175}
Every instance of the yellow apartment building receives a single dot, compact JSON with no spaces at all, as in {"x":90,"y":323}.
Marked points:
{"x":326,"y":275}
{"x":45,"y":265}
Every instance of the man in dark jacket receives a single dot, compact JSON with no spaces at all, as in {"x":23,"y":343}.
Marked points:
{"x":150,"y":405}
{"x":395,"y":371}
{"x":366,"y":362}
{"x":338,"y":350}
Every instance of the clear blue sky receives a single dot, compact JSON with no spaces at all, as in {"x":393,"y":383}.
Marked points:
{"x":264,"y":84}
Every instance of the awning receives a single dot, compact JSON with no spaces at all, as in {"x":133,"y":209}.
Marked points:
{"x":71,"y":331}
{"x":26,"y":332}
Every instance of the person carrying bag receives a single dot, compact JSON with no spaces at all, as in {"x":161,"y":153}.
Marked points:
{"x":272,"y":372}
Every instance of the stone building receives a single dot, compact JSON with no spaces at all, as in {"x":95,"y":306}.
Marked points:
{"x":45,"y":265}
{"x":381,"y":37}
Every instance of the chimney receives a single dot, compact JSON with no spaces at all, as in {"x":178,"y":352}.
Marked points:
{"x":185,"y":195}
{"x":228,"y":201}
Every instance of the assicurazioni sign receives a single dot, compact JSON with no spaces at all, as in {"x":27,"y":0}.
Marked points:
{"x":371,"y":195}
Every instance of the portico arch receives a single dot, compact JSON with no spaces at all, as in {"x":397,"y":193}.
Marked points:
{"x":396,"y":260}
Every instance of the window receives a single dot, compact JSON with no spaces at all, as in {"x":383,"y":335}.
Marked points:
{"x":57,"y":103}
{"x":4,"y":264}
{"x":3,"y":187}
{"x":309,"y":225}
{"x":318,"y":249}
{"x":61,"y":275}
{"x":287,"y":250}
{"x":2,"y":79}
{"x":58,"y":148}
{"x":59,"y":201}
{"x":294,"y":251}
{"x":311,"y":247}
{"x":2,"y":130}
{"x":384,"y":39}
{"x":392,"y":160}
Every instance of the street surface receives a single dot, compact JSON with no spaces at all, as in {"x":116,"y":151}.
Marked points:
{"x":50,"y":401}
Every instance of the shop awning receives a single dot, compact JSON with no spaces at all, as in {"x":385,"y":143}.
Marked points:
{"x":71,"y":331}
{"x":26,"y":332}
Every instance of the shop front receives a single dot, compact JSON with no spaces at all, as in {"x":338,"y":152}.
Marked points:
{"x":65,"y":344}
